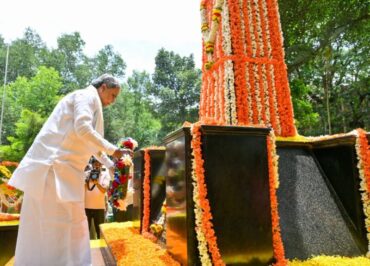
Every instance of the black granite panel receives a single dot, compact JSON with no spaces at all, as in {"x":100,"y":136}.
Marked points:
{"x":137,"y":210}
{"x":235,"y":161}
{"x":180,"y":233}
{"x":311,"y":221}
{"x":238,"y":190}
{"x":157,"y":183}
{"x":339,"y":164}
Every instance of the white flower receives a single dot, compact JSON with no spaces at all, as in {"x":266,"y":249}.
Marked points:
{"x":127,"y":160}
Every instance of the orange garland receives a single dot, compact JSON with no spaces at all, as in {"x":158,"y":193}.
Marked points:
{"x":253,"y":24}
{"x":285,"y":108}
{"x":364,"y":156}
{"x":363,"y":165}
{"x":9,"y":163}
{"x":146,"y":192}
{"x":278,"y":247}
{"x":207,"y":226}
{"x":130,"y":248}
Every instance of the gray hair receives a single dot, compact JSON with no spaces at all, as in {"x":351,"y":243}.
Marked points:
{"x":106,"y":79}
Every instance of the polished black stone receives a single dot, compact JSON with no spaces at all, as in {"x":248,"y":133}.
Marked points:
{"x":236,"y":175}
{"x":157,"y":184}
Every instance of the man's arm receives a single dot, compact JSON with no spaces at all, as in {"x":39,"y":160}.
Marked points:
{"x":84,"y":108}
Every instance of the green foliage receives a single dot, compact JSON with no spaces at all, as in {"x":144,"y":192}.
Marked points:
{"x":131,"y":115}
{"x":304,"y":115}
{"x":176,"y":90}
{"x":326,"y":44}
{"x":27,"y":128}
{"x":38,"y":94}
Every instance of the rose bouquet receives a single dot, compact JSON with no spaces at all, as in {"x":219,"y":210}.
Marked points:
{"x":117,"y":192}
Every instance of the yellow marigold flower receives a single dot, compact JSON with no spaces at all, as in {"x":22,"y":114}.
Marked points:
{"x":202,"y":5}
{"x":205,"y":27}
{"x":208,"y":65}
{"x":5,"y":172}
{"x":216,"y":14}
{"x":210,"y":47}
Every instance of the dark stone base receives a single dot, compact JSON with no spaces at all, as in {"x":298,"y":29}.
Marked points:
{"x":236,"y":175}
{"x":157,"y":185}
{"x":313,"y":221}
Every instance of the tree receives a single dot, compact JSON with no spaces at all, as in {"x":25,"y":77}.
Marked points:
{"x":176,"y":88}
{"x":326,"y":44}
{"x":38,"y":95}
{"x":108,"y":61}
{"x":27,"y":128}
{"x":68,"y":59}
{"x":131,"y":115}
{"x":25,"y":55}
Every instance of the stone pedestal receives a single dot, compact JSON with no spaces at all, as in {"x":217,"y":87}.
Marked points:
{"x":319,"y":199}
{"x":157,"y":185}
{"x":338,"y":161}
{"x":236,"y":174}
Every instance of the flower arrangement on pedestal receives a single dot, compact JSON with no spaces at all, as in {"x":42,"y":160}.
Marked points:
{"x":9,"y":196}
{"x":117,"y":192}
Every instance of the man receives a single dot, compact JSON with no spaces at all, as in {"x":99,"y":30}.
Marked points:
{"x":96,"y":184}
{"x":53,"y":227}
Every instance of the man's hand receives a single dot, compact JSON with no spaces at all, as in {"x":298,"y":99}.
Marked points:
{"x":120,"y":152}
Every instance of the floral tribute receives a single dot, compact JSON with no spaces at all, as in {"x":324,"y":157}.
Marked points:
{"x":244,"y":79}
{"x":9,"y":196}
{"x":273,"y":171}
{"x":207,"y":241}
{"x":129,"y":247}
{"x":146,"y":188}
{"x":363,"y":156}
{"x":122,"y":174}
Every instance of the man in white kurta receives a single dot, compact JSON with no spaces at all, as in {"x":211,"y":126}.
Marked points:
{"x":53,"y":227}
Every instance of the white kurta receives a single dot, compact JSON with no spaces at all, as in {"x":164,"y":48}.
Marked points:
{"x":58,"y":156}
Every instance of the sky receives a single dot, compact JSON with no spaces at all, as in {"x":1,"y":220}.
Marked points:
{"x":136,"y":29}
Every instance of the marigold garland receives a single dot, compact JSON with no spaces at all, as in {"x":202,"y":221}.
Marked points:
{"x":252,"y":51}
{"x":129,"y":247}
{"x":9,"y":163}
{"x":146,"y":192}
{"x":202,"y":205}
{"x":363,"y":156}
{"x":272,"y":158}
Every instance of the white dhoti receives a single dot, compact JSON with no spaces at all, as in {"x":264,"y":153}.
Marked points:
{"x":52,"y":232}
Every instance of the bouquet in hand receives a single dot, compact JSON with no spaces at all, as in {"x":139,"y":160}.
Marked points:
{"x":118,"y":189}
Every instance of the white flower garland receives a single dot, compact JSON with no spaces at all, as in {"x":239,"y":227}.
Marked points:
{"x":230,"y":104}
{"x":202,"y":242}
{"x":210,"y":33}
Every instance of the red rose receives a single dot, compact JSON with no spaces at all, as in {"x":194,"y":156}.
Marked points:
{"x":115,"y":184}
{"x":115,"y":203}
{"x":120,"y":164}
{"x":123,"y":179}
{"x":128,"y":144}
